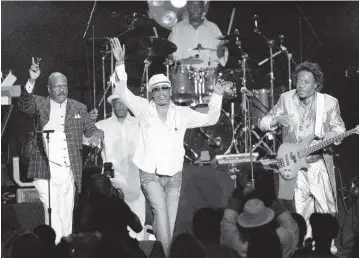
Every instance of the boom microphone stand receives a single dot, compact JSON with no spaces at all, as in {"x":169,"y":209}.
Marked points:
{"x":47,"y":132}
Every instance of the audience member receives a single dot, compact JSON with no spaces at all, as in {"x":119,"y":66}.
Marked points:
{"x":286,"y":228}
{"x":186,"y":245}
{"x":27,"y":245}
{"x":47,"y":236}
{"x":110,"y":216}
{"x":324,"y":229}
{"x":206,"y":226}
{"x":302,"y":226}
{"x":257,"y":223}
{"x":81,"y":245}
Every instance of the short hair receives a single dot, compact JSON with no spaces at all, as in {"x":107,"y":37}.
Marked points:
{"x":206,"y":223}
{"x":99,"y":185}
{"x":313,"y":68}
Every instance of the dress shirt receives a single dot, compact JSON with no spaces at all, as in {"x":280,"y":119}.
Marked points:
{"x":160,"y":148}
{"x":120,"y":143}
{"x":186,"y":37}
{"x":58,"y":151}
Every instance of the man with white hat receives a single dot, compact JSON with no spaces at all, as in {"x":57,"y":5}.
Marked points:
{"x":159,"y":154}
{"x":121,"y":132}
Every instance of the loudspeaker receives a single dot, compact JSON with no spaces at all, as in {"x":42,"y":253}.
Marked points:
{"x":22,"y":216}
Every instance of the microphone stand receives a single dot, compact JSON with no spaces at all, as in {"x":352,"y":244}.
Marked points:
{"x":246,"y":112}
{"x":47,"y":132}
{"x":104,"y":80}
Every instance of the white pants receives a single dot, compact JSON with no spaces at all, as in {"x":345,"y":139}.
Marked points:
{"x":314,"y":193}
{"x":138,"y":206}
{"x":62,"y":194}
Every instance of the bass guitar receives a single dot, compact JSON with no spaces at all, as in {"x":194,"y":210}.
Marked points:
{"x":292,"y":157}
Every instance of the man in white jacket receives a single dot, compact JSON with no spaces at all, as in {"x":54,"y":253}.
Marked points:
{"x":160,"y":153}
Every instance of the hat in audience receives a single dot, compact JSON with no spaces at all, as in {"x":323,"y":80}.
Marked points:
{"x":255,"y":214}
{"x":157,"y":80}
{"x":112,"y":97}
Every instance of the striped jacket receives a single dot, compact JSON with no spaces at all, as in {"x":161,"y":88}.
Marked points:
{"x":38,"y":107}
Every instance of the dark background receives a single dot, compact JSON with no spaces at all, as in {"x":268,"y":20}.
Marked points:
{"x":54,"y":31}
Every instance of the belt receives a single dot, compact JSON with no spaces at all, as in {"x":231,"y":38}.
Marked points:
{"x":162,"y":175}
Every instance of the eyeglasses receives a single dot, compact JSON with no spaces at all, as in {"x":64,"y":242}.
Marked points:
{"x":157,"y":89}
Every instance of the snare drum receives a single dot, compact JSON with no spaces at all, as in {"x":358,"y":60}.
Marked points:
{"x":205,"y":80}
{"x":260,"y":105}
{"x":182,"y":82}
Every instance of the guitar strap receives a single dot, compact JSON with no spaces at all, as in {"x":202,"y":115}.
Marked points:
{"x":319,"y":115}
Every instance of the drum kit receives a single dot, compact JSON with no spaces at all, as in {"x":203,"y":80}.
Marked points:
{"x":193,"y":87}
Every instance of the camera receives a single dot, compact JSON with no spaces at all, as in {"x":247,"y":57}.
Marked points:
{"x":108,"y":170}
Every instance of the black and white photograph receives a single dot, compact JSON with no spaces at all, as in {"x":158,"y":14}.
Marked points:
{"x":179,"y":129}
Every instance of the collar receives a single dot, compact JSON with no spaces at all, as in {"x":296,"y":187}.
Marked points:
{"x":171,"y":107}
{"x":63,"y":104}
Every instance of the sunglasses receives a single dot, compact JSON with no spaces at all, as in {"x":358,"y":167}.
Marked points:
{"x":157,"y":89}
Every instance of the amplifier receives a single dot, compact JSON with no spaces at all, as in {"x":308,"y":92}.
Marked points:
{"x":25,"y":195}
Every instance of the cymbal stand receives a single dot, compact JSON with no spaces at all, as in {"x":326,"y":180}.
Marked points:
{"x":289,"y":57}
{"x":104,"y":84}
{"x":147,"y":63}
{"x":245,"y":109}
{"x":247,"y":119}
{"x":270,"y":45}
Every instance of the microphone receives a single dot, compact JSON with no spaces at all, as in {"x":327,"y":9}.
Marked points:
{"x":244,"y":90}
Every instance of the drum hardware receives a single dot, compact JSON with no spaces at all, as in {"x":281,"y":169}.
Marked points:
{"x":191,"y":61}
{"x":145,"y":77}
{"x":270,"y":45}
{"x":289,"y":57}
{"x":209,"y":141}
{"x":199,"y":48}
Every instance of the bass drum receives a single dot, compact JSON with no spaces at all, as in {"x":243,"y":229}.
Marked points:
{"x":209,"y":141}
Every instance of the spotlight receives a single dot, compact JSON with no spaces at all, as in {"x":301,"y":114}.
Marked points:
{"x":178,"y":3}
{"x":155,"y":3}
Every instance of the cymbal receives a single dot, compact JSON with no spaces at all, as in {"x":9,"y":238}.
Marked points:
{"x":199,"y":47}
{"x":191,"y":61}
{"x":151,"y":46}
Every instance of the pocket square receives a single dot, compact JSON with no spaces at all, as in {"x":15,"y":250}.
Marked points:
{"x":77,"y":116}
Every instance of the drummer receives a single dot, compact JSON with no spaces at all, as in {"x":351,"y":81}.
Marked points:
{"x":196,"y":29}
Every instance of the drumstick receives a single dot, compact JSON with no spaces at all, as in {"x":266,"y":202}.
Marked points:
{"x":231,"y":20}
{"x":155,"y":31}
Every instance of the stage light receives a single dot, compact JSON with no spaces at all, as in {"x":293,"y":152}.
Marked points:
{"x":178,"y":3}
{"x":155,"y":3}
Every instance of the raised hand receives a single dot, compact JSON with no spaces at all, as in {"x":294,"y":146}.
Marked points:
{"x":223,"y":87}
{"x":34,"y":70}
{"x":118,"y":51}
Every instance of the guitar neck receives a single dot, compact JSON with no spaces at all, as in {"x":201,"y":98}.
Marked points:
{"x":326,"y":143}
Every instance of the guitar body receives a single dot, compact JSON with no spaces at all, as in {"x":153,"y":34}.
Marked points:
{"x":288,"y":159}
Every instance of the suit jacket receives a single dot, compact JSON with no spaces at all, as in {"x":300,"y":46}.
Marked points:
{"x":327,"y":119}
{"x":38,"y":107}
